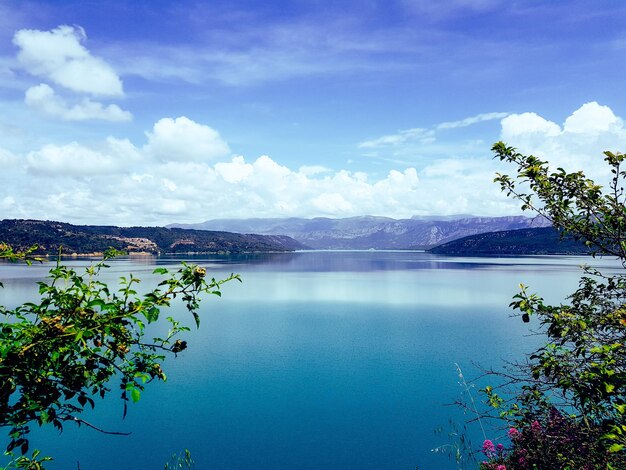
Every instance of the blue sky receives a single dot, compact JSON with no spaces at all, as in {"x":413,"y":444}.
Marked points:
{"x":151,"y":112}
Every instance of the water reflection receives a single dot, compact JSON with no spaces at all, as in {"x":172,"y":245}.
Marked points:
{"x":359,"y":261}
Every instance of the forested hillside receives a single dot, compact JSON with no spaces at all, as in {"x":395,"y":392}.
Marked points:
{"x":532,"y":241}
{"x":86,"y":239}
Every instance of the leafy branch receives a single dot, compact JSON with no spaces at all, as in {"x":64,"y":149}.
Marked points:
{"x":57,"y":355}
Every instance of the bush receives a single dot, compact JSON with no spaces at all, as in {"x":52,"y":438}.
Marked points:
{"x":570,"y":410}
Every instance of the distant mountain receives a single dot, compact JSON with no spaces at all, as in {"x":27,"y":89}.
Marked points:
{"x":83,"y":239}
{"x":533,"y":241}
{"x":371,"y":232}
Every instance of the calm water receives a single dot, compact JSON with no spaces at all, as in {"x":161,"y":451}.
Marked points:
{"x":320,"y":360}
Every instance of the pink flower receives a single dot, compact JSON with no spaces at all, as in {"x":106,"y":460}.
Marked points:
{"x":513,"y":433}
{"x":535,"y":426}
{"x":501,"y":467}
{"x":499,"y":447}
{"x":488,"y":448}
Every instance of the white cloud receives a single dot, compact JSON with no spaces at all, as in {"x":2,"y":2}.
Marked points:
{"x":401,"y":137}
{"x":118,"y":182}
{"x":471,"y":120}
{"x":72,"y":160}
{"x":235,"y":171}
{"x":425,"y":136}
{"x":59,"y":56}
{"x":576,"y":145}
{"x":169,"y":207}
{"x":332,"y":203}
{"x":7,"y":202}
{"x":528,"y":124}
{"x":43,"y":98}
{"x":181,"y":174}
{"x":311,"y":170}
{"x":182,"y":139}
{"x":265,"y":51}
{"x":592,"y":118}
{"x":7,"y":159}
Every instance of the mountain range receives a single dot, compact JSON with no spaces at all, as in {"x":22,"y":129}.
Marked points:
{"x":367,"y":232}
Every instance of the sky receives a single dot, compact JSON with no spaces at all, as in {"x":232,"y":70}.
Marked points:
{"x":149,"y":112}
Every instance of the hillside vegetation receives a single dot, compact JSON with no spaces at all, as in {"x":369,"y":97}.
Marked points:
{"x":87,"y":239}
{"x":532,"y":241}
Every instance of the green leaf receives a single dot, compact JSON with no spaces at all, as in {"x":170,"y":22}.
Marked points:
{"x":152,"y":314}
{"x":135,"y":395}
{"x":97,"y":303}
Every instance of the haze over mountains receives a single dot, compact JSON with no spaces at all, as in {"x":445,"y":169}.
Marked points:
{"x":371,"y":232}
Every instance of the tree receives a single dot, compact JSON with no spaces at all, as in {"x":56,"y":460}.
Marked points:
{"x":571,"y":407}
{"x":60,"y":353}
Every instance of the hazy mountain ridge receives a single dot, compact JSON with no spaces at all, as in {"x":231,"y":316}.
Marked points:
{"x":533,"y":241}
{"x":84,"y":239}
{"x":371,"y":232}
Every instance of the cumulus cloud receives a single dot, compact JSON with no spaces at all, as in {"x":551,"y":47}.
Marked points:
{"x":118,"y":182}
{"x":43,"y":98}
{"x":235,"y":171}
{"x":528,"y":124}
{"x":332,"y":203}
{"x":575,"y":145}
{"x":153,"y":183}
{"x":72,"y":159}
{"x":592,"y":118}
{"x":182,"y":139}
{"x":59,"y":56}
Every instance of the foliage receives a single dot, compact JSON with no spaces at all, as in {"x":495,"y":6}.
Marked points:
{"x":570,"y":412}
{"x":7,"y":252}
{"x":57,"y":355}
{"x":181,"y":461}
{"x":35,"y":462}
{"x":459,"y":448}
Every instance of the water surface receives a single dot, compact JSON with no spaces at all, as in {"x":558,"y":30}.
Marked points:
{"x":319,"y":360}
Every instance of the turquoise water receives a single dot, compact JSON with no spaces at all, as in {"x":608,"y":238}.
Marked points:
{"x":319,"y":360}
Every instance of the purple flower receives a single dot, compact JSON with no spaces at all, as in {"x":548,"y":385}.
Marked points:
{"x":488,"y":448}
{"x":499,"y":447}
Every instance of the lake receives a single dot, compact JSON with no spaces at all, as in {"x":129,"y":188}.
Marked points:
{"x":319,"y":360}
